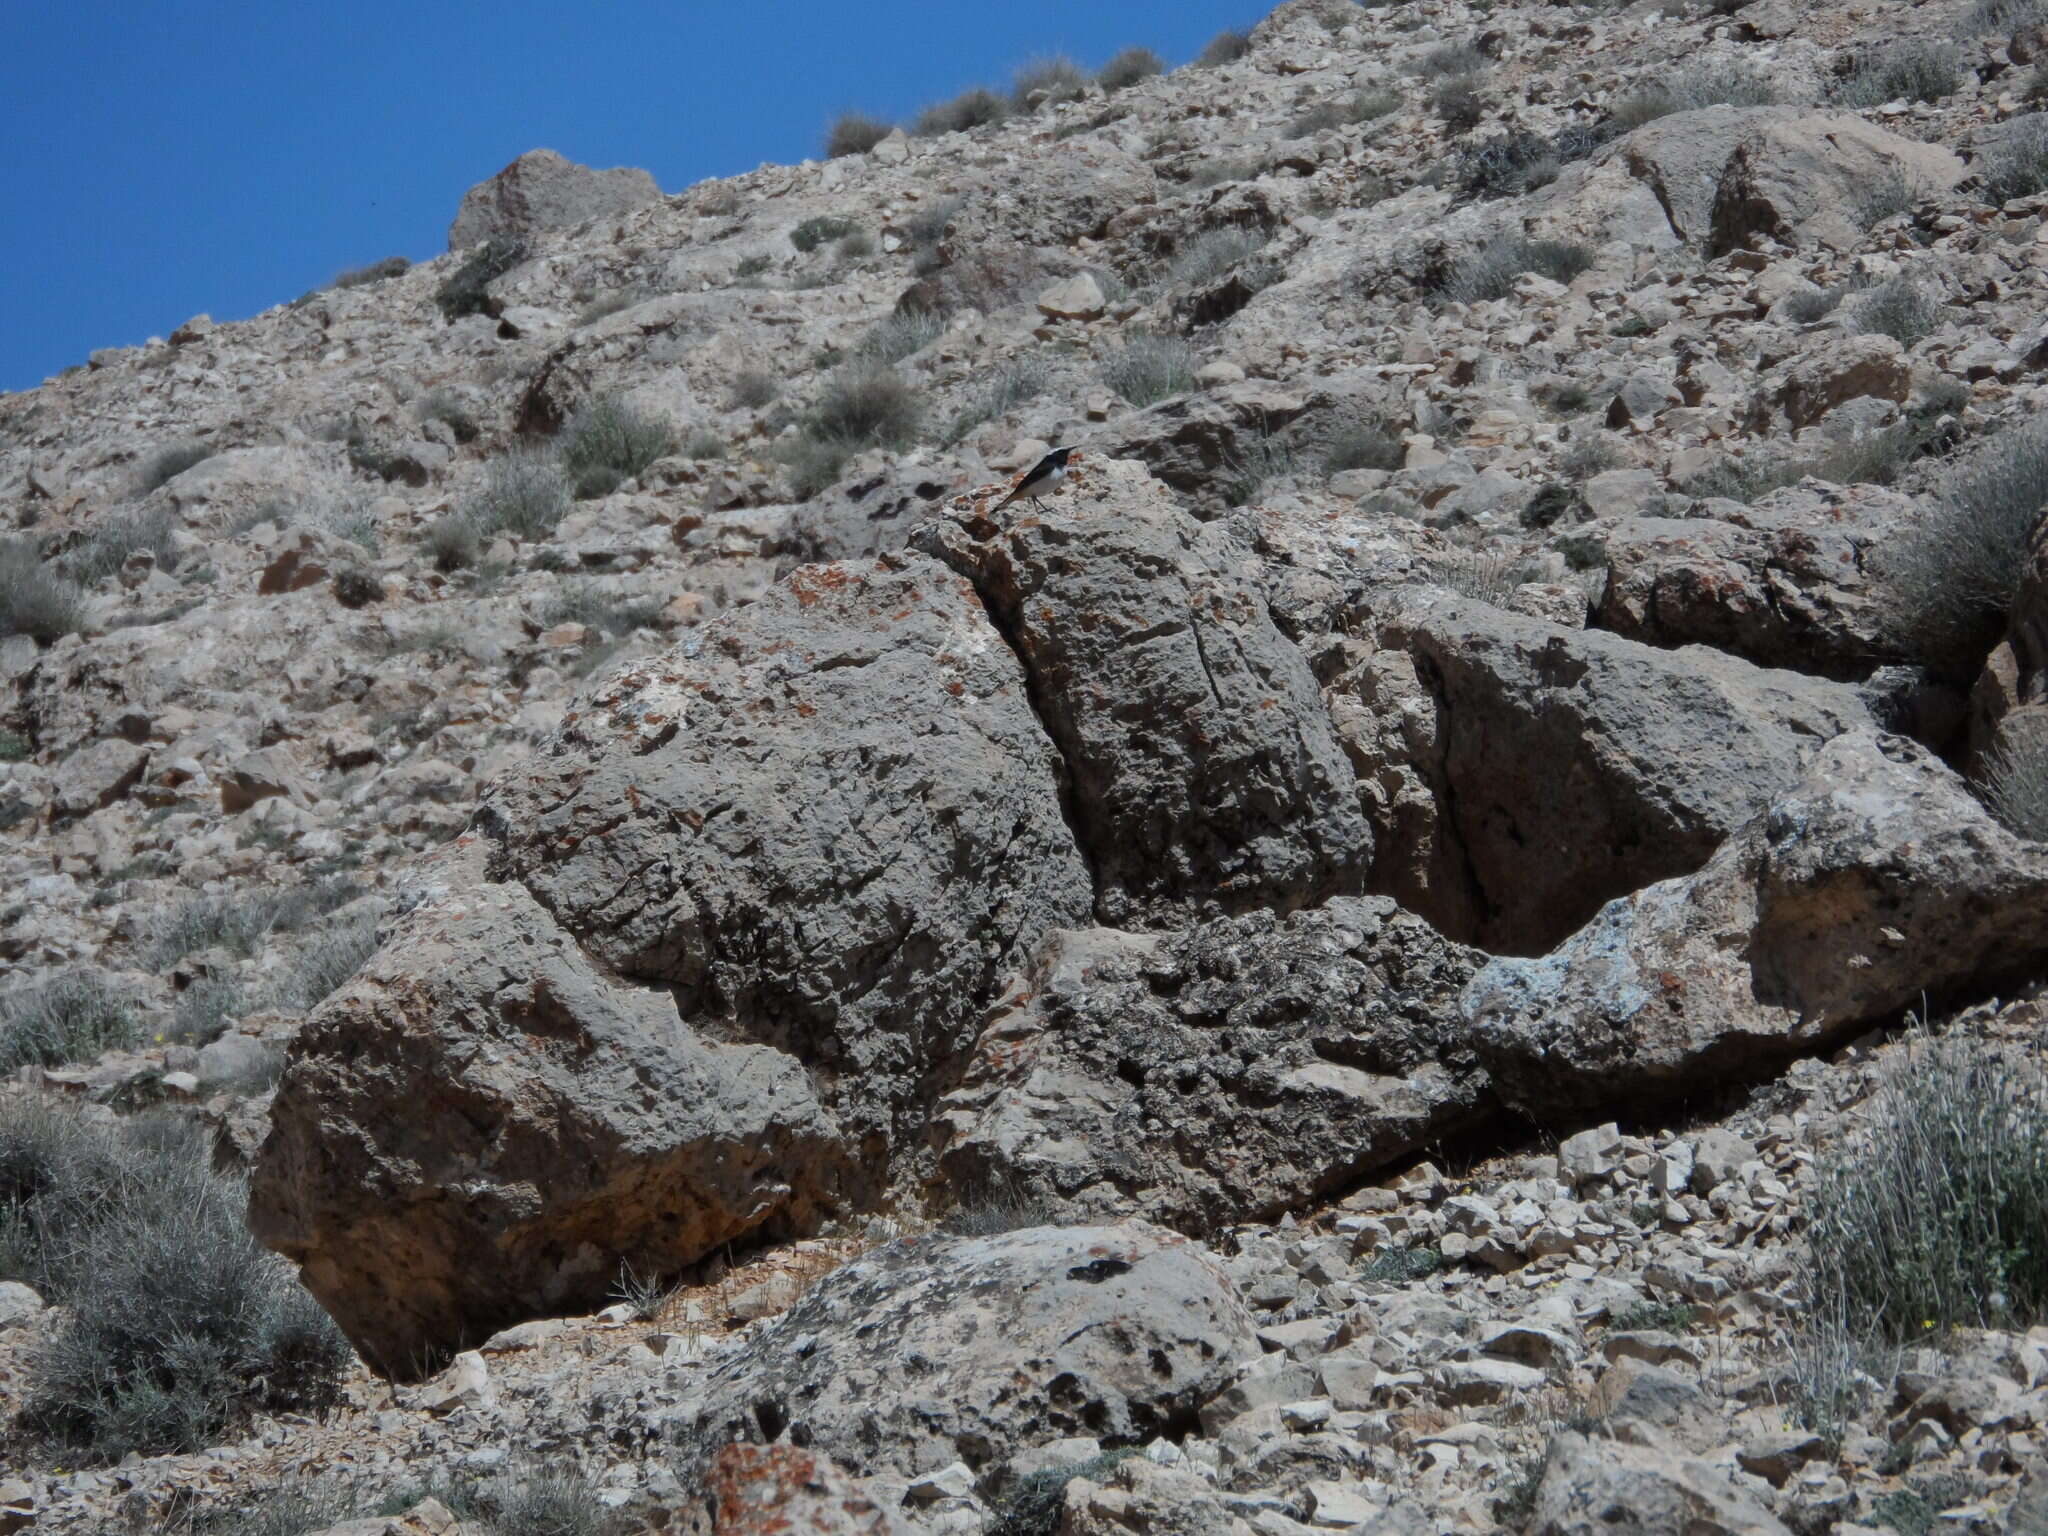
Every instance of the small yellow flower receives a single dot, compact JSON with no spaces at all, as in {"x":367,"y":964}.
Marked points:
{"x":1928,"y":1324}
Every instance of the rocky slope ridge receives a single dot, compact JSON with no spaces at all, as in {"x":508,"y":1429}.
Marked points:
{"x":1418,"y":727}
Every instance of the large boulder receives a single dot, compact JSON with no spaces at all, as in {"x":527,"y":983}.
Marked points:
{"x":481,"y":1128}
{"x":1520,"y":773}
{"x":829,"y":823}
{"x":934,"y":1350}
{"x":1802,"y":179}
{"x":1203,"y":773}
{"x":1196,"y":442}
{"x":1593,"y":1487}
{"x":543,"y":190}
{"x":1782,"y":582}
{"x":1221,"y":1075}
{"x":1878,"y":883}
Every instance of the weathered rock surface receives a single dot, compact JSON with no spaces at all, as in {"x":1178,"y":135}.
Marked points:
{"x":544,"y":190}
{"x":1802,"y":178}
{"x":1592,"y":1487}
{"x":481,"y":1128}
{"x":828,"y":826}
{"x":1203,"y":774}
{"x":1878,"y":880}
{"x":765,"y":1490}
{"x":1225,"y":1074}
{"x":1520,"y":774}
{"x":934,"y":1350}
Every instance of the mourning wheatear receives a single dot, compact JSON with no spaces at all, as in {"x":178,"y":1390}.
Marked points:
{"x":1044,"y":478}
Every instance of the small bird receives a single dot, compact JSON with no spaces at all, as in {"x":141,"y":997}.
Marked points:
{"x":1044,"y":478}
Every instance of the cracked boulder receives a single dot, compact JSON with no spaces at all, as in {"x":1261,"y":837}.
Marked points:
{"x":828,"y":823}
{"x":481,"y":1128}
{"x":544,"y":190}
{"x":1520,"y":774}
{"x":1246,"y":1067}
{"x":941,"y":1349}
{"x":1203,"y":774}
{"x":1876,"y":882}
{"x":1802,"y":178}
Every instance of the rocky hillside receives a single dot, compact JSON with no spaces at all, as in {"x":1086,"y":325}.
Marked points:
{"x":1442,"y":939}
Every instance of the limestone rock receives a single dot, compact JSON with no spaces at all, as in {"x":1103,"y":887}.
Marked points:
{"x":1202,"y":771}
{"x":1877,"y":879}
{"x":1800,"y":178}
{"x":766,"y":1490}
{"x":1310,"y":1049}
{"x":95,"y":776}
{"x":543,"y":190}
{"x":933,"y":1350}
{"x":1077,"y":298}
{"x":1591,"y":1487}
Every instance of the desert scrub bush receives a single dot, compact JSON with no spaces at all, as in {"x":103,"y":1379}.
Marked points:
{"x":2018,"y":166}
{"x":1448,"y":61}
{"x":867,"y":403}
{"x":36,"y":598}
{"x":1490,"y":271}
{"x":106,"y":546}
{"x":703,"y":444}
{"x":1004,"y":387}
{"x":1900,"y":309}
{"x":1362,"y":106}
{"x":326,"y":960}
{"x":1399,"y":1266}
{"x":607,"y":442}
{"x":1904,"y":69}
{"x":178,"y":1323}
{"x":1212,"y":253}
{"x":749,"y":268}
{"x":819,"y":228}
{"x":1937,"y":1213}
{"x":811,"y":464}
{"x":522,"y":493}
{"x":1460,"y":102}
{"x":465,"y":291}
{"x":375,"y":272}
{"x":1032,"y":1505}
{"x":1807,"y":307}
{"x":452,"y":543}
{"x":13,"y":748}
{"x":1702,"y":85}
{"x":754,"y":389}
{"x":1257,"y":464}
{"x":2003,"y":15}
{"x":1509,"y":164}
{"x":166,"y":464}
{"x":905,"y":332}
{"x":1149,"y":368}
{"x":857,"y":246}
{"x":1128,"y":68}
{"x":442,"y":404}
{"x":606,"y":305}
{"x":1049,"y":81}
{"x":972,"y":108}
{"x":1950,"y":577}
{"x":1226,"y":47}
{"x":1888,"y":194}
{"x":855,"y":133}
{"x":1363,"y":445}
{"x":1476,"y":574}
{"x":237,"y":921}
{"x":2013,"y":783}
{"x":73,"y":1016}
{"x":595,"y":606}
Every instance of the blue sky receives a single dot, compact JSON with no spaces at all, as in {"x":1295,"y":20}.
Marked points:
{"x":162,"y":159}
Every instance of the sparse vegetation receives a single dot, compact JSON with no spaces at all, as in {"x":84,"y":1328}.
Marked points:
{"x":71,"y":1016}
{"x":1460,"y":102}
{"x":1128,"y":68}
{"x":1150,"y":368}
{"x":819,"y":228}
{"x":1225,"y":47}
{"x":522,"y":493}
{"x":238,"y":921}
{"x":905,"y":332}
{"x":1490,"y":271}
{"x":1211,"y":254}
{"x":2018,"y":165}
{"x":1900,"y":308}
{"x":855,"y":133}
{"x":607,"y":443}
{"x":754,"y":389}
{"x":606,"y":305}
{"x":866,"y":403}
{"x":1888,"y":196}
{"x":1044,"y":82}
{"x":1703,"y":85}
{"x":166,"y":464}
{"x":1476,"y":574}
{"x":1509,"y":164}
{"x":704,"y":444}
{"x":445,"y":406}
{"x":1361,"y":106}
{"x":36,"y":599}
{"x":178,"y":1322}
{"x":1903,"y":69}
{"x":1364,"y":445}
{"x":2003,"y":15}
{"x":1808,"y":306}
{"x":1937,"y":1214}
{"x":1032,"y":1505}
{"x":1005,"y":386}
{"x":1398,"y":1266}
{"x":2014,"y":784}
{"x":1259,"y":462}
{"x":1448,"y":61}
{"x":326,"y":960}
{"x":106,"y":546}
{"x":973,"y":108}
{"x":857,"y":246}
{"x":375,"y":272}
{"x":466,"y":290}
{"x":1951,"y":575}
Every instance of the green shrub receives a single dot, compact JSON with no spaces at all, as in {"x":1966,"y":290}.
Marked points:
{"x":1128,"y":68}
{"x":444,"y":405}
{"x":329,"y":958}
{"x":178,"y":1322}
{"x":811,"y":463}
{"x":1490,"y":272}
{"x":704,"y":444}
{"x":106,"y":546}
{"x":1034,"y":1504}
{"x":72,"y":1016}
{"x":973,"y":108}
{"x":819,"y":228}
{"x":13,"y":748}
{"x":1148,"y":368}
{"x":755,"y":388}
{"x":1364,"y":445}
{"x":2014,"y":786}
{"x":905,"y":332}
{"x":36,"y":598}
{"x":1937,"y":1214}
{"x":1509,"y":164}
{"x":1904,"y":69}
{"x":1888,"y":195}
{"x":1951,"y":575}
{"x":1460,"y":102}
{"x":1225,"y":47}
{"x":867,"y":403}
{"x":1248,"y":471}
{"x":466,"y":290}
{"x":608,"y":442}
{"x":857,"y":246}
{"x":855,"y":133}
{"x":375,"y":272}
{"x":522,"y":493}
{"x":1004,"y":387}
{"x":238,"y":921}
{"x":1900,"y":309}
{"x":751,"y":267}
{"x":1052,"y":80}
{"x":2018,"y":166}
{"x":1399,"y":1266}
{"x":166,"y":464}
